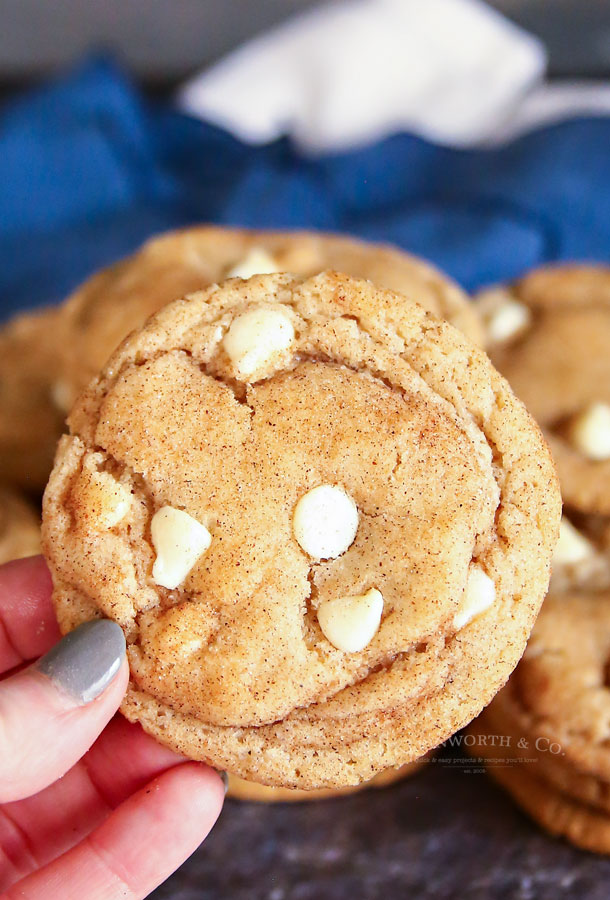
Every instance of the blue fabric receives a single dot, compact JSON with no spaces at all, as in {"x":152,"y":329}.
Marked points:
{"x":89,"y":170}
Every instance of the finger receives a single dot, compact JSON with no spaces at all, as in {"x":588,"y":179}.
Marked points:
{"x":28,"y":627}
{"x":139,"y":845}
{"x":60,"y":704}
{"x":124,"y":759}
{"x":38,"y":829}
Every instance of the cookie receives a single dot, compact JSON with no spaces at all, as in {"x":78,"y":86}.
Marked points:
{"x":554,"y":715}
{"x":533,"y":749}
{"x":117,"y":300}
{"x":239,"y":789}
{"x":563,"y":816}
{"x":19,"y":527}
{"x":321,"y":517}
{"x":549,"y":335}
{"x":31,"y":416}
{"x":562,"y":680}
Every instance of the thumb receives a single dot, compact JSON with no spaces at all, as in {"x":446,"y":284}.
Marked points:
{"x":51,"y":712}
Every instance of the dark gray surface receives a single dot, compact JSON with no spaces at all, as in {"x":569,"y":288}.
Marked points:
{"x":163,"y":40}
{"x":447,"y":833}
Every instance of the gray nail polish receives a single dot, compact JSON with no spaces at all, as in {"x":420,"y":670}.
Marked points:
{"x":85,"y":661}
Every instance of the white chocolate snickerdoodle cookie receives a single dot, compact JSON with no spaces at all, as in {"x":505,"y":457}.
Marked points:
{"x":118,"y":299}
{"x":554,"y":720}
{"x":549,"y":335}
{"x":586,"y":825}
{"x":279,"y":665}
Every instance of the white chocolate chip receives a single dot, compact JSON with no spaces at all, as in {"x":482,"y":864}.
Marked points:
{"x":508,"y":321}
{"x":117,"y":500}
{"x":256,"y":262}
{"x":504,"y":317}
{"x":479,"y":595}
{"x":325,"y":521}
{"x":179,"y":540}
{"x":255,"y":337}
{"x":62,"y":395}
{"x":590,"y":431}
{"x":572,"y":547}
{"x":351,"y":623}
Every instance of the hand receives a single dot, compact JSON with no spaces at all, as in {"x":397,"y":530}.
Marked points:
{"x":81,"y":819}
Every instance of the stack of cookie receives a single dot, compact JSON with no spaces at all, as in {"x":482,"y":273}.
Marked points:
{"x":550,"y":335}
{"x":321,"y":517}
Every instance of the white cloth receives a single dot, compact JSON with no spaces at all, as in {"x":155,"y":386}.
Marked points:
{"x":351,"y":72}
{"x":553,"y":102}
